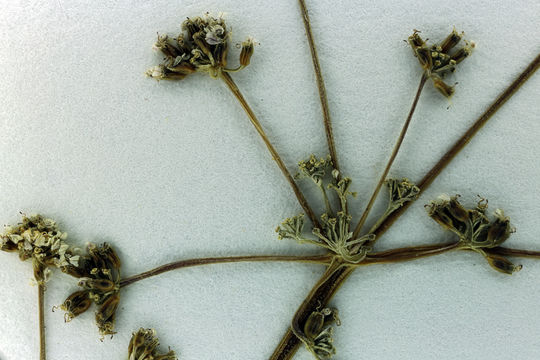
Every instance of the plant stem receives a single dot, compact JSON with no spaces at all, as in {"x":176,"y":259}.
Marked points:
{"x":301,"y":199}
{"x":514,"y":252}
{"x":41,"y":306}
{"x":395,"y":151}
{"x":334,"y":277}
{"x":463,"y":140}
{"x":320,"y":85}
{"x":289,"y":343}
{"x":314,"y":259}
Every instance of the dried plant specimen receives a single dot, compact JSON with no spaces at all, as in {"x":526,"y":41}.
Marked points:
{"x":397,"y":188}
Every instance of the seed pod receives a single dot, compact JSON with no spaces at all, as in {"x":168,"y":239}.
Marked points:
{"x":246,"y":52}
{"x":314,"y":324}
{"x":110,"y":256}
{"x":106,"y":315}
{"x":502,"y":264}
{"x":40,"y":272}
{"x":443,"y":88}
{"x":462,"y":54}
{"x":500,"y":230}
{"x":451,"y":40}
{"x":76,"y":304}
{"x":100,"y":285}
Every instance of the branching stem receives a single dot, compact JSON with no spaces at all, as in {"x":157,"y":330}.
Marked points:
{"x":315,"y":259}
{"x":289,"y":343}
{"x":463,"y":140}
{"x":395,"y":151}
{"x":299,"y":195}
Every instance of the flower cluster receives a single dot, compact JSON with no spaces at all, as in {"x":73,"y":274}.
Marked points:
{"x":318,"y":333}
{"x":476,"y":232}
{"x":314,"y":168}
{"x":334,"y":233}
{"x":437,"y":61}
{"x":39,"y":239}
{"x":400,"y":191}
{"x":202,"y":46}
{"x":99,"y":278}
{"x":143,"y":346}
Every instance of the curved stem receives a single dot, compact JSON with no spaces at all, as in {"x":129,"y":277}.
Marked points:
{"x":320,"y":85}
{"x":41,"y":306}
{"x":463,"y":140}
{"x":395,"y":151}
{"x":315,"y":259}
{"x":238,"y":94}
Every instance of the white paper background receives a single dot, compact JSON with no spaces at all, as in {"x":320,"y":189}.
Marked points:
{"x":173,"y":170}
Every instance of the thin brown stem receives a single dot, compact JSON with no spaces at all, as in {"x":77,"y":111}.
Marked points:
{"x":320,"y":85}
{"x":301,"y":199}
{"x":463,"y":140}
{"x":395,"y":151}
{"x":314,"y":259}
{"x":504,"y":251}
{"x":289,"y":343}
{"x":41,"y":307}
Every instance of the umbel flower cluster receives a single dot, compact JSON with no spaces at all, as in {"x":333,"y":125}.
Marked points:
{"x":437,"y":60}
{"x":143,"y":346}
{"x":99,"y":277}
{"x":334,"y":231}
{"x":474,"y":229}
{"x":39,"y":239}
{"x":202,"y":46}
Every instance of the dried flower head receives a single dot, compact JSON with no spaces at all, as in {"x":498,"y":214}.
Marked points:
{"x":99,"y":278}
{"x":318,"y":333}
{"x":143,"y":346}
{"x":39,"y":239}
{"x":314,"y":168}
{"x":334,"y":232}
{"x":202,"y":46}
{"x":476,"y":232}
{"x":437,"y":60}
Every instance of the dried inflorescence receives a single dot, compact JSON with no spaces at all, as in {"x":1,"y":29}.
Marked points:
{"x":334,"y":233}
{"x":317,"y":333}
{"x":99,"y":277}
{"x":143,"y":346}
{"x":400,"y":191}
{"x":476,"y":232}
{"x":202,"y":46}
{"x":39,"y":239}
{"x":437,"y":60}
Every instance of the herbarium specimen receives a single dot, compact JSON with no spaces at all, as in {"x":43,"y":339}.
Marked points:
{"x":347,"y":239}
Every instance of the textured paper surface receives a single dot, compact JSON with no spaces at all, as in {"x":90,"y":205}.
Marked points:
{"x":173,"y":170}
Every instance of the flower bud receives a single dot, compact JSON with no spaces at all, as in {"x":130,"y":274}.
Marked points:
{"x":246,"y":52}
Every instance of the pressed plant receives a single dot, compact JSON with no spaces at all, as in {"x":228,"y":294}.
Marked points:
{"x":203,"y":47}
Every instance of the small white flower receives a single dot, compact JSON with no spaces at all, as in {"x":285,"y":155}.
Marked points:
{"x":74,"y":260}
{"x":179,"y":59}
{"x":215,"y":35}
{"x":27,"y":245}
{"x":14,"y":238}
{"x":156,"y":72}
